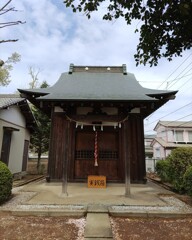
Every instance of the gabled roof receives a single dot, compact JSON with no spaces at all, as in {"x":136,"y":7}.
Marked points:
{"x":8,"y":100}
{"x":174,"y":124}
{"x":98,"y":83}
{"x":165,"y":144}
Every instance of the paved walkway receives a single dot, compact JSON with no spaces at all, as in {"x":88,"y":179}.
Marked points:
{"x":47,"y":199}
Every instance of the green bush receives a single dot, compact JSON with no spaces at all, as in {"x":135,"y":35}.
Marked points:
{"x":180,"y":160}
{"x":187,"y":181}
{"x":6,"y":181}
{"x":163,"y":170}
{"x":175,"y":167}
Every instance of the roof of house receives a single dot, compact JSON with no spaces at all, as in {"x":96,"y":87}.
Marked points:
{"x":150,"y":136}
{"x":169,"y":144}
{"x":8,"y":100}
{"x":175,"y":124}
{"x":98,"y":83}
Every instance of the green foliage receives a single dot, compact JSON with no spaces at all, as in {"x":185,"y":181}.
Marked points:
{"x":180,"y":161}
{"x":175,"y":167}
{"x":163,"y":170}
{"x":187,"y":181}
{"x":165,"y":25}
{"x":40,"y":137}
{"x":6,"y":181}
{"x":6,"y":68}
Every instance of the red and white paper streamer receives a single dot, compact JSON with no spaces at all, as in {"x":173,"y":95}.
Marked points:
{"x":96,"y":150}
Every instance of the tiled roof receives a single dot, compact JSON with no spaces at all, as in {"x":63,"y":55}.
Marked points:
{"x":98,"y":83}
{"x":169,"y":144}
{"x":7,"y":100}
{"x":177,"y":124}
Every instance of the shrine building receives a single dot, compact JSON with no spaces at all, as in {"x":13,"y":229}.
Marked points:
{"x":97,"y":115}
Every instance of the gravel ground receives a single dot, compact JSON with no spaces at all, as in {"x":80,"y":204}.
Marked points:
{"x":40,"y":228}
{"x":151,"y":228}
{"x":37,"y":227}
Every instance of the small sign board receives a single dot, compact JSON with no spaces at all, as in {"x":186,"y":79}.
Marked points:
{"x":95,"y":181}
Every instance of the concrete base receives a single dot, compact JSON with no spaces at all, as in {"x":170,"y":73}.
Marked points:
{"x":64,"y":195}
{"x":97,"y":208}
{"x":45,"y":199}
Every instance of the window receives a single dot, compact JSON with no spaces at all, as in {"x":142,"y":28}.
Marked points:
{"x":179,"y":136}
{"x":157,"y":153}
{"x":89,"y":154}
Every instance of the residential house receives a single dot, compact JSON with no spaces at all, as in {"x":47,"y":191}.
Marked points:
{"x":16,"y":124}
{"x":170,"y":135}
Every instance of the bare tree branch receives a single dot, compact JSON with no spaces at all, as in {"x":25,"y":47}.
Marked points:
{"x":10,"y":40}
{"x":8,"y":24}
{"x":1,"y":9}
{"x":8,"y":10}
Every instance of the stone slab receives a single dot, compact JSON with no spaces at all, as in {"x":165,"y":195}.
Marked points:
{"x":98,"y":226}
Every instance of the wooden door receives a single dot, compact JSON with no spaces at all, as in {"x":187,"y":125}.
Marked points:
{"x":6,"y":144}
{"x":25,"y":155}
{"x":108,"y":154}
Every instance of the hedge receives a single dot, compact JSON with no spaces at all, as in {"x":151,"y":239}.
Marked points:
{"x":187,"y":181}
{"x":6,"y":181}
{"x":175,"y":169}
{"x":163,"y":169}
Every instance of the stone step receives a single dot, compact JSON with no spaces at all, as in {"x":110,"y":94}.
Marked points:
{"x":98,"y":226}
{"x":97,"y":208}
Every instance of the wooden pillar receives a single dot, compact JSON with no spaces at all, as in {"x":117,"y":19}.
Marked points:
{"x":136,"y":150}
{"x":65,"y":160}
{"x":59,"y":147}
{"x":126,"y":160}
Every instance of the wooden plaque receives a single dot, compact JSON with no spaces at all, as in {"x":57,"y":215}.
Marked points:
{"x":95,"y":181}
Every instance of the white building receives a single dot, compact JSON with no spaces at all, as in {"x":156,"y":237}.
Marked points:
{"x":16,"y":124}
{"x":170,"y":135}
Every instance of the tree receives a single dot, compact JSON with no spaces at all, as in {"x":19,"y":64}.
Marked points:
{"x":3,"y":10}
{"x":33,"y":72}
{"x":40,"y":138}
{"x":165,"y":25}
{"x":6,"y":67}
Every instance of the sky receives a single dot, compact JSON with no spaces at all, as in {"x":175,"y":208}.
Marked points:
{"x":53,"y":37}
